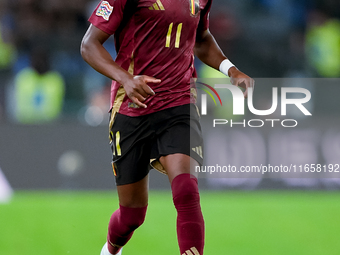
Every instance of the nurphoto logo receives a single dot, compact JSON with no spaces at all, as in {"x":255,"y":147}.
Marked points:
{"x":239,"y":105}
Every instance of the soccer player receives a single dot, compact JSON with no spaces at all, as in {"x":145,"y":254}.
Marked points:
{"x":153,"y":116}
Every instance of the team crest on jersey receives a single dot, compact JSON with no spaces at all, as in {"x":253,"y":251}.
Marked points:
{"x":194,"y":7}
{"x":104,"y":10}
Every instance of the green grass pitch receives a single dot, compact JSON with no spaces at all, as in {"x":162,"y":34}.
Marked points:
{"x":237,"y":223}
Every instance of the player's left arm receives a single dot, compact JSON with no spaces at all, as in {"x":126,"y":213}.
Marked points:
{"x":208,"y":51}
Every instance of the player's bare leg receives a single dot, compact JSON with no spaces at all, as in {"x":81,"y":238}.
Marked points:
{"x":133,"y":201}
{"x":134,"y":195}
{"x":190,"y":223}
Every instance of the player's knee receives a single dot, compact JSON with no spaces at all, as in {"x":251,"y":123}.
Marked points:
{"x":137,"y":221}
{"x":185,"y":191}
{"x":132,"y":217}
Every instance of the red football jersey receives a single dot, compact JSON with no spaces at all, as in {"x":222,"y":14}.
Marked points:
{"x":156,"y":40}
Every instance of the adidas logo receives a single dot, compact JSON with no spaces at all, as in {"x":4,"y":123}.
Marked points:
{"x":192,"y":251}
{"x":198,"y":150}
{"x":158,"y":6}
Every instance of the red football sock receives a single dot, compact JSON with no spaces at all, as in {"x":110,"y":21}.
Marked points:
{"x":122,"y":224}
{"x":190,"y":223}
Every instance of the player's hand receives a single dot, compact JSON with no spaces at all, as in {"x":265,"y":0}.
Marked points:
{"x":138,"y":90}
{"x":240,"y":79}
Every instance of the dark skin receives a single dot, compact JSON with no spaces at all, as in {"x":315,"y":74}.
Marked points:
{"x":208,"y":51}
{"x":135,"y":195}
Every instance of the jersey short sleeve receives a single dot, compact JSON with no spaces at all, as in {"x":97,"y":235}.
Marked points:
{"x":108,"y":15}
{"x":204,"y":20}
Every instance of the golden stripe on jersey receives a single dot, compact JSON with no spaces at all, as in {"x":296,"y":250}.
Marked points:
{"x":158,"y":6}
{"x":120,"y":97}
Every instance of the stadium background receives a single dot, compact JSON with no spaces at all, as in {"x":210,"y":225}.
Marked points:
{"x":59,"y":167}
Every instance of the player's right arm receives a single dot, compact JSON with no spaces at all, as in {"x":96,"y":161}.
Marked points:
{"x":94,"y":53}
{"x":105,"y":21}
